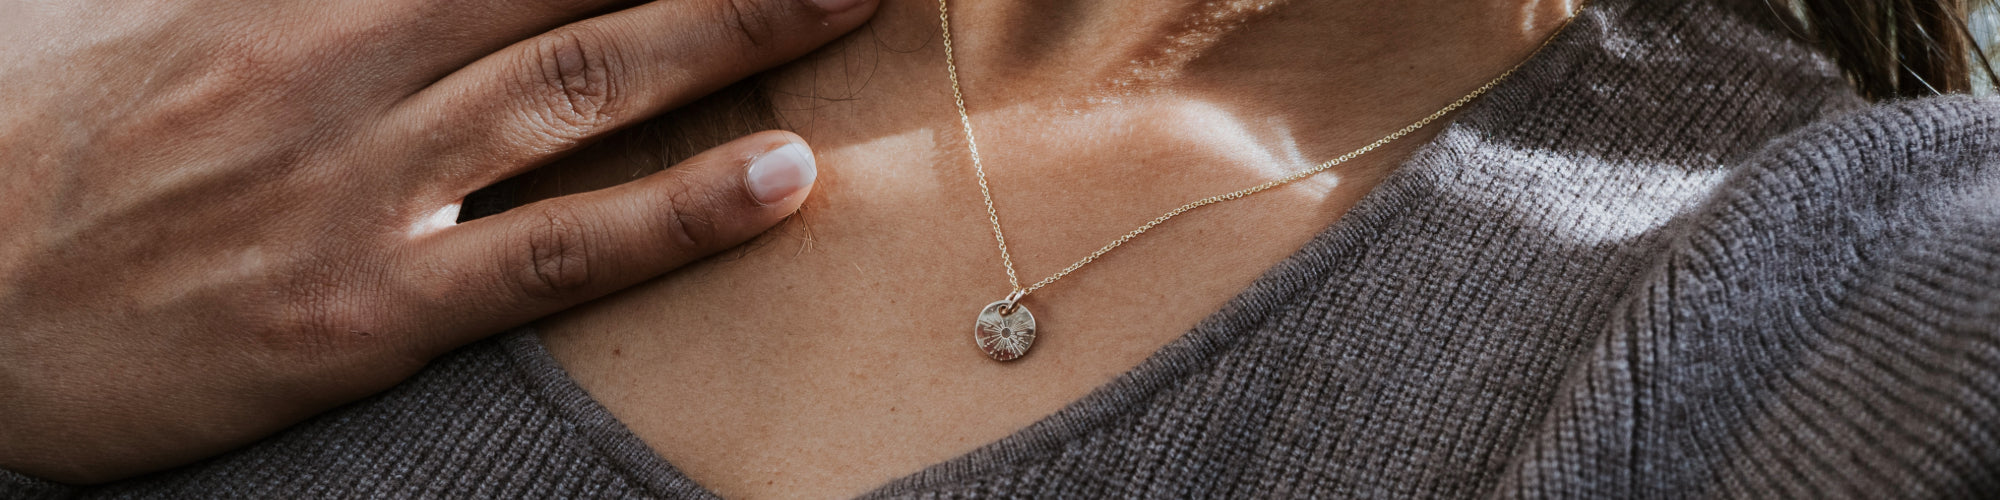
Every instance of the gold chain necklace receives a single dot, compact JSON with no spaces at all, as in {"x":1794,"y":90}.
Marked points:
{"x":1006,"y":329}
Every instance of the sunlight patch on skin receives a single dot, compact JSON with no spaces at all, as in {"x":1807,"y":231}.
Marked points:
{"x":1275,"y":152}
{"x":1204,"y":27}
{"x":1210,"y":134}
{"x":440,"y":220}
{"x":243,"y":266}
{"x":1531,"y":11}
{"x":1271,"y":151}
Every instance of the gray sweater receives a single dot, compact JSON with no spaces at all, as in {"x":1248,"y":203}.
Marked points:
{"x":1675,"y":256}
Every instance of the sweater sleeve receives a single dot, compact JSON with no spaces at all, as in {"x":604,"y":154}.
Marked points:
{"x":1828,"y":324}
{"x":495,"y":419}
{"x":18,"y":485}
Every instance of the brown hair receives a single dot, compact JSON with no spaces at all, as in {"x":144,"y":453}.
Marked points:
{"x":1897,"y":48}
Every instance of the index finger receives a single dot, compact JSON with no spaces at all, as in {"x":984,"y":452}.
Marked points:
{"x":540,"y":98}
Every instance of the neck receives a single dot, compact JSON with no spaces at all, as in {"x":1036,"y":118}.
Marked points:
{"x":1297,"y":81}
{"x":1309,"y":79}
{"x":1132,"y":46}
{"x":1093,"y":117}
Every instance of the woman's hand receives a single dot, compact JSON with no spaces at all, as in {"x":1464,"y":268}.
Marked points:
{"x":224,"y":216}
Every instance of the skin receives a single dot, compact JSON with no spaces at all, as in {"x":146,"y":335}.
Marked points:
{"x":835,"y":354}
{"x":224,"y":216}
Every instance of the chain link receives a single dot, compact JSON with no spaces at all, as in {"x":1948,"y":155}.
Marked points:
{"x":993,"y":215}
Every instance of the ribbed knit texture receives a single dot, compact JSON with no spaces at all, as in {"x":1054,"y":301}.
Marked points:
{"x":1674,"y":257}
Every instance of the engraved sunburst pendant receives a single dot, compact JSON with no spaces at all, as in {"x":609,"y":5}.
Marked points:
{"x":1005,"y":329}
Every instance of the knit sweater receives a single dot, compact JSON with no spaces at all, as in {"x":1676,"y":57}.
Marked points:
{"x":1674,"y":256}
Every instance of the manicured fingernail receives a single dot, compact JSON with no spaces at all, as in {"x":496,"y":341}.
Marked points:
{"x":832,"y":6}
{"x":782,"y":172}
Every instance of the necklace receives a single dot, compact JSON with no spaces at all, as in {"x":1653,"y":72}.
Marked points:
{"x":1006,"y":329}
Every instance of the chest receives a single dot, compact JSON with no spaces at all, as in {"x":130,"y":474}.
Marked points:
{"x":838,"y":351}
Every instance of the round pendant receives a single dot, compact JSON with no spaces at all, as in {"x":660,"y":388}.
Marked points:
{"x":1004,"y":337}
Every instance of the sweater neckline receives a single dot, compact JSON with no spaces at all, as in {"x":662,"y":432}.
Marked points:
{"x":1392,"y":200}
{"x":1403,"y":190}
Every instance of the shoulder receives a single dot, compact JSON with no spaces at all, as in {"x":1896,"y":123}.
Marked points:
{"x":1831,"y":309}
{"x":1913,"y":148}
{"x":1900,"y":199}
{"x":1861,"y":188}
{"x":493,"y":419}
{"x":1839,"y":291}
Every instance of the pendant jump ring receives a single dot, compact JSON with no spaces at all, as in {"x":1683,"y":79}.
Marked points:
{"x":1011,"y":300}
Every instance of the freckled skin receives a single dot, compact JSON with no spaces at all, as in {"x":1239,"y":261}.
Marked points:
{"x":834,"y":354}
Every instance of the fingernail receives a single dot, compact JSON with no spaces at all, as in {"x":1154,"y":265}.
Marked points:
{"x":782,"y":172}
{"x":833,"y":6}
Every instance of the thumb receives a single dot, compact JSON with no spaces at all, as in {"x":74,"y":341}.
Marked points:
{"x":495,"y":272}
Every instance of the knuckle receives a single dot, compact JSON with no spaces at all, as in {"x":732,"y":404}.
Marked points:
{"x":570,"y":82}
{"x":751,"y":22}
{"x":558,"y":253}
{"x":326,"y":317}
{"x":688,"y":222}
